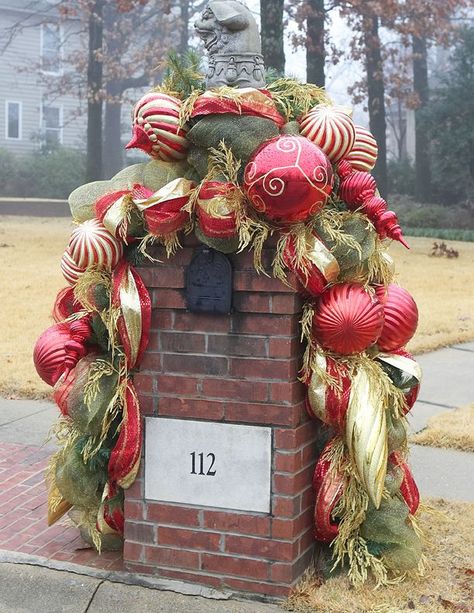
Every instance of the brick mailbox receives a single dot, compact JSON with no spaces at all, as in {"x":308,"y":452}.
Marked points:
{"x":224,"y":495}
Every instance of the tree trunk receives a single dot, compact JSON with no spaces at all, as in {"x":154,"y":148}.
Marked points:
{"x":315,"y":53}
{"x":184,"y":26}
{"x":376,"y":98}
{"x":422,"y":145}
{"x":271,"y":12}
{"x":94,"y":93}
{"x":113,"y":148}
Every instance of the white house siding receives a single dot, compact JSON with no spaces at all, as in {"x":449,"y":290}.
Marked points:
{"x":20,"y":84}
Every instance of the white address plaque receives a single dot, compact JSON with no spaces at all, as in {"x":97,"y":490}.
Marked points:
{"x":208,"y":464}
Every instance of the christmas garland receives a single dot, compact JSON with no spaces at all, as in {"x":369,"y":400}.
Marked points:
{"x":236,"y":166}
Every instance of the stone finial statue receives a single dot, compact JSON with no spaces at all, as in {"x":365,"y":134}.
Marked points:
{"x":232,"y":41}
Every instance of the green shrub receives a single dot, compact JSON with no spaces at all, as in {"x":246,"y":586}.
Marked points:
{"x":7,"y":172}
{"x":413,"y":214}
{"x":450,"y":234}
{"x":53,"y":174}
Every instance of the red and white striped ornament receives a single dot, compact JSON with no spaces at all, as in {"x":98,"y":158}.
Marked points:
{"x":156,"y":127}
{"x":70,"y":269}
{"x":331,"y":129}
{"x":91,"y":244}
{"x":363,"y":154}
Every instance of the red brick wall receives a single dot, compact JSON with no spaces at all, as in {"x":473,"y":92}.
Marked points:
{"x":240,"y":368}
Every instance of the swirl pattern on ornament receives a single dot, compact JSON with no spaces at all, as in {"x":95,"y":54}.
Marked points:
{"x":319,"y":179}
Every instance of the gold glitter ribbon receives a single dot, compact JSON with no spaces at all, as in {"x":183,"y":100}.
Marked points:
{"x":116,"y":214}
{"x":178,"y":188}
{"x":402,"y":363}
{"x":318,"y":254}
{"x":366,"y":436}
{"x":317,"y":386}
{"x":131,"y":312}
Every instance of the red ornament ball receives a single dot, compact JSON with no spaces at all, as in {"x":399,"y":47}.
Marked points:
{"x":92,"y":244}
{"x":157,"y":129}
{"x":288,"y":179}
{"x":363,"y":155}
{"x":401,"y":317}
{"x":331,"y":128}
{"x":50,"y":352}
{"x":348,"y":319}
{"x":70,"y":269}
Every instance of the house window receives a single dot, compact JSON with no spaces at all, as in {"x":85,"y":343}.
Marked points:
{"x":51,"y":47}
{"x":13,"y":119}
{"x":52,"y":125}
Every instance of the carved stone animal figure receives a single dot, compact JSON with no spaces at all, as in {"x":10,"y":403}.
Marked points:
{"x":232,"y":41}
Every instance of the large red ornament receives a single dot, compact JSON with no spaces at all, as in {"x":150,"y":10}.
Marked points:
{"x":401,"y":317}
{"x":59,"y":349}
{"x":348,"y":319}
{"x":288,"y":179}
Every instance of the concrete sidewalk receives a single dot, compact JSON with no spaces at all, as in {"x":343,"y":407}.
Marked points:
{"x":39,"y":588}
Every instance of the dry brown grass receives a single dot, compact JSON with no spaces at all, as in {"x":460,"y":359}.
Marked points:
{"x":30,"y":252}
{"x":447,"y":585}
{"x":31,"y":277}
{"x":442,"y":289}
{"x":453,"y":429}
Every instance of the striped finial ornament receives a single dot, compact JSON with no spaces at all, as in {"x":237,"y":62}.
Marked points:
{"x":331,"y":129}
{"x":91,"y":244}
{"x":363,"y":154}
{"x":156,"y":127}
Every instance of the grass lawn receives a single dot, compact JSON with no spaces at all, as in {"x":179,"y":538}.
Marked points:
{"x":452,"y":429}
{"x":447,"y":585}
{"x":30,"y":252}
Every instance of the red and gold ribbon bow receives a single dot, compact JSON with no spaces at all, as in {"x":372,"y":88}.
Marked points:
{"x":131,"y":297}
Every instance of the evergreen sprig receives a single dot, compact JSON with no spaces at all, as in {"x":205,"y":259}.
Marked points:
{"x":182,"y":73}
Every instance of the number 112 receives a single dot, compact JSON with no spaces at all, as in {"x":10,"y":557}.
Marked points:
{"x":210,"y":472}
